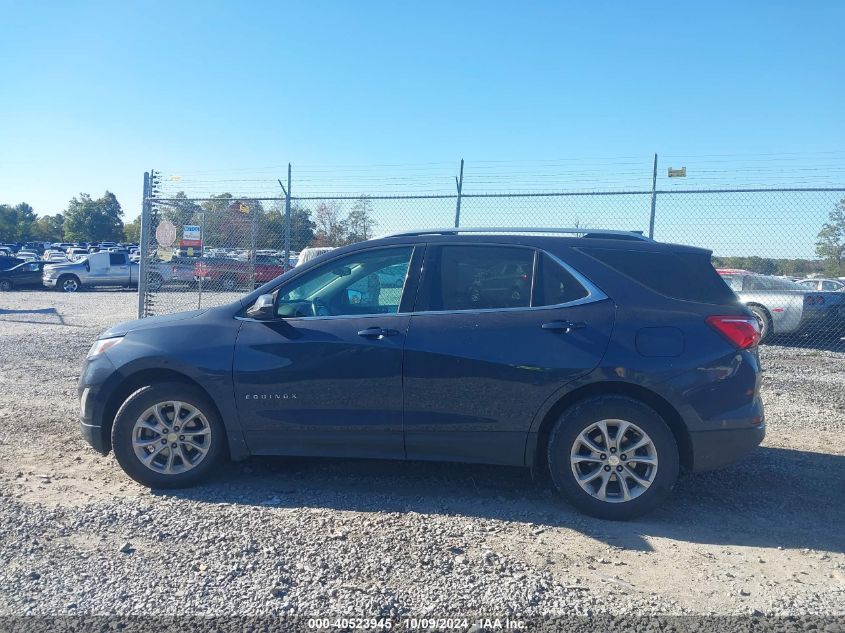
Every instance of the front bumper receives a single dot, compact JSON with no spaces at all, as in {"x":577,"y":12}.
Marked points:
{"x":50,"y":282}
{"x":93,"y":400}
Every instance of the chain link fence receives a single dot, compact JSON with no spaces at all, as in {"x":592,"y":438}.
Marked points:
{"x":206,"y":250}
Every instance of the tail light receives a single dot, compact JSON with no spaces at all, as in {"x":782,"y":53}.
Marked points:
{"x":744,"y":332}
{"x":810,"y":300}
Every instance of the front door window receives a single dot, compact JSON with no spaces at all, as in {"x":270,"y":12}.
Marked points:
{"x":366,"y":282}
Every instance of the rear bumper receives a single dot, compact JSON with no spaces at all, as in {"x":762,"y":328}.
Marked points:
{"x":719,"y":448}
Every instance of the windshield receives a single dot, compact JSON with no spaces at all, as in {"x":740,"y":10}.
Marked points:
{"x":764,"y":282}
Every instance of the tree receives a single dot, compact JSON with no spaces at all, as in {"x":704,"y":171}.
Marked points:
{"x":132,"y":231}
{"x":88,"y":220}
{"x":227,"y":222}
{"x":16,"y":222}
{"x":330,"y":229}
{"x":272,"y":233}
{"x":831,"y":240}
{"x":360,"y":222}
{"x":49,"y":228}
{"x":181,"y":211}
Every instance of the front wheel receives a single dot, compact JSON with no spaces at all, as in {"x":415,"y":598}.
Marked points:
{"x":168,"y":435}
{"x":613,"y":457}
{"x":5,"y":285}
{"x":69,"y":283}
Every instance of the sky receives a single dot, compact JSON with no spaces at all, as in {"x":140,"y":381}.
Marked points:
{"x":92,"y":94}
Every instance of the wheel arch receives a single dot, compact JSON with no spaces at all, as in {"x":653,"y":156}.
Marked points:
{"x":766,"y":311}
{"x":136,"y":381}
{"x":536,"y":449}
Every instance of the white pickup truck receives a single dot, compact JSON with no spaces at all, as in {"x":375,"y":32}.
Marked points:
{"x":95,"y":269}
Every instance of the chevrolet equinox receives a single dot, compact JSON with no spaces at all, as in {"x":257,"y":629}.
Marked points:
{"x":605,"y":358}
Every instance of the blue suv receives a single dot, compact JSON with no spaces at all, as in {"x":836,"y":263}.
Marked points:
{"x":604,"y":358}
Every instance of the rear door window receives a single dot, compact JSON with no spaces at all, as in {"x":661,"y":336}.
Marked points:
{"x":477,"y":278}
{"x":554,"y":284}
{"x":117,"y":259}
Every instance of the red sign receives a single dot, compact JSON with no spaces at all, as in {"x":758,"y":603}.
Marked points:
{"x":190,"y":243}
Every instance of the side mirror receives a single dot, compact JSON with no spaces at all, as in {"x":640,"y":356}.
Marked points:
{"x":262,"y":309}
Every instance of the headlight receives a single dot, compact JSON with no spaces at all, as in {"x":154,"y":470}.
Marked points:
{"x":103,"y":344}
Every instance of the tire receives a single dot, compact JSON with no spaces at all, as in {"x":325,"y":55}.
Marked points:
{"x":155,"y":283}
{"x":567,"y":454}
{"x":69,"y":283}
{"x":5,"y":285}
{"x":764,"y":320}
{"x":132,"y":436}
{"x":228,"y":283}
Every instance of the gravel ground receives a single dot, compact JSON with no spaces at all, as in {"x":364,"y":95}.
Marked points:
{"x":372,"y":538}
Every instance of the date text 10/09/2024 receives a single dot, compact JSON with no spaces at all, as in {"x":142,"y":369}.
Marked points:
{"x":431,"y":624}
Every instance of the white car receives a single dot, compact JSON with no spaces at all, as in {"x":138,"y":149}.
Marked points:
{"x":832,"y":285}
{"x":28,"y":256}
{"x":308,"y":254}
{"x":55,"y":256}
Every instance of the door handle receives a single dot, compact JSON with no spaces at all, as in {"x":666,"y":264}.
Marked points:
{"x":563,"y":326}
{"x":377,"y":332}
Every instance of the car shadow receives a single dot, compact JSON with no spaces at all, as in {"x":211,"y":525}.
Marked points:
{"x":50,"y":312}
{"x":774,"y":498}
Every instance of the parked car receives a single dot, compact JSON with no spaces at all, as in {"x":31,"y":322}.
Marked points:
{"x":307,"y":254}
{"x":9,"y":262}
{"x":95,"y":269}
{"x":782,"y":306}
{"x":24,"y":275}
{"x":55,"y":257}
{"x":628,"y":359}
{"x":828,"y":285}
{"x":174,"y":271}
{"x":231,"y":274}
{"x":28,"y":256}
{"x":76,"y":254}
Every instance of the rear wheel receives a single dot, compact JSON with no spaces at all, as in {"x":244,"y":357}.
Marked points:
{"x":155,"y":283}
{"x":5,"y":285}
{"x":763,"y":320}
{"x":613,"y":457}
{"x":168,"y":435}
{"x":228,"y":283}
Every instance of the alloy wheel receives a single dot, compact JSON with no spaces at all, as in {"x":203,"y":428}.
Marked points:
{"x":5,"y":285}
{"x":614,"y":460}
{"x":171,"y":437}
{"x":70,"y":285}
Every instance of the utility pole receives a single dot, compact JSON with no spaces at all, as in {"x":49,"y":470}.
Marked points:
{"x":459,"y":181}
{"x":653,"y":199}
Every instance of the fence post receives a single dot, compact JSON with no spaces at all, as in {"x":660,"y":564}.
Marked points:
{"x":254,"y":221}
{"x":144,"y":245}
{"x":202,"y":257}
{"x":287,"y":223}
{"x":460,"y":182}
{"x":653,"y":199}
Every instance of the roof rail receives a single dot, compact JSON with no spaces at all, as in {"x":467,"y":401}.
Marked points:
{"x":580,"y":231}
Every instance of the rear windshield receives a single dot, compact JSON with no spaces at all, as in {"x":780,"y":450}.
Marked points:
{"x":688,"y":276}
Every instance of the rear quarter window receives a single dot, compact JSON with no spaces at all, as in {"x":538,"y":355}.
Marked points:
{"x":688,"y":276}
